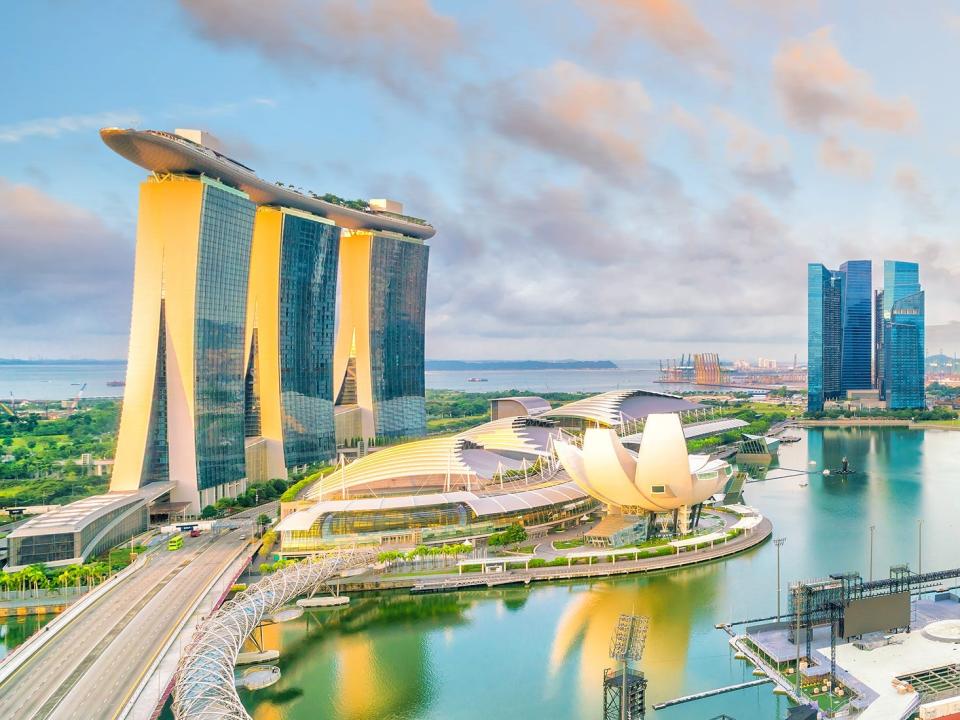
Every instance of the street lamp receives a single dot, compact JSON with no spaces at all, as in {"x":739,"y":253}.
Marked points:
{"x":779,"y":543}
{"x":872,"y":528}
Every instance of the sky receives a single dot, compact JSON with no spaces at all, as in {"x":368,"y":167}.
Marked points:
{"x":608,"y":178}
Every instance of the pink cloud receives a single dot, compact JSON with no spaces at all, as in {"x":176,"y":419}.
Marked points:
{"x":819,"y":89}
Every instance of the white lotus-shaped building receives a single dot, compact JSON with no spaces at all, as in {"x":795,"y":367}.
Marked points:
{"x":661,"y":477}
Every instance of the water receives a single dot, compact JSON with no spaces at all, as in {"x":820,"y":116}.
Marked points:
{"x":539,"y":652}
{"x":15,"y":630}
{"x":62,"y":380}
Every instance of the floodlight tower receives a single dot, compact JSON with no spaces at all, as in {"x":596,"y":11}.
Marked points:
{"x":624,"y":688}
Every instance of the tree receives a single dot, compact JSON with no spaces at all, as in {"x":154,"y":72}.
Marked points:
{"x":208,"y":512}
{"x":263,"y":520}
{"x":513,"y":535}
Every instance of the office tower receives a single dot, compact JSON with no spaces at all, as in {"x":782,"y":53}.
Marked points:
{"x":379,"y":381}
{"x":289,"y":336}
{"x":904,"y":359}
{"x":857,"y":326}
{"x":878,"y":341}
{"x":824,"y":335}
{"x":183,"y":409}
{"x":230,"y":375}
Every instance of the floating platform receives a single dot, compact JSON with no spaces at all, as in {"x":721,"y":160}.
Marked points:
{"x":251,"y":658}
{"x":323,"y":602}
{"x":258,"y":677}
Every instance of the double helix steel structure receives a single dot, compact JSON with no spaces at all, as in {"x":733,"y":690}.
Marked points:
{"x":204,"y":687}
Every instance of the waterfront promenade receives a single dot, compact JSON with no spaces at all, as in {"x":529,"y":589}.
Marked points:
{"x":435,"y":582}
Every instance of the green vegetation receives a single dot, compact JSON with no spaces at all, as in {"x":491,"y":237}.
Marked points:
{"x":455,"y":410}
{"x":937,"y":414}
{"x":513,"y":535}
{"x":267,"y":542}
{"x":290,"y":494}
{"x":424,"y":551}
{"x":40,"y":577}
{"x":567,"y":544}
{"x":759,"y":416}
{"x":40,"y":453}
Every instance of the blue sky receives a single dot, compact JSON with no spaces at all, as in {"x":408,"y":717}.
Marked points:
{"x":609,"y":178}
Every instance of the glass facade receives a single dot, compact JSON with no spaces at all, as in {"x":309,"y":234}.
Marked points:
{"x":904,"y":348}
{"x":855,"y":369}
{"x":398,"y":293}
{"x":824,"y":335}
{"x":42,"y":548}
{"x":902,"y":356}
{"x":226,"y":230}
{"x":156,"y":466}
{"x":878,"y":341}
{"x":437,"y":523}
{"x":308,"y":287}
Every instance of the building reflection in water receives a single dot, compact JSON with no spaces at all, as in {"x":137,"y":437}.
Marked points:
{"x":674,"y":603}
{"x":334,"y":668}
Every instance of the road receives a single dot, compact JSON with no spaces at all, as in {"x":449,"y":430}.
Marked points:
{"x":94,"y":664}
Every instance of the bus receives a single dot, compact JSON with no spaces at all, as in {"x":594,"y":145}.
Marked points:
{"x":175,"y":543}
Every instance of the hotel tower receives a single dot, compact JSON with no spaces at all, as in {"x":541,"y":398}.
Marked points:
{"x":236,"y":364}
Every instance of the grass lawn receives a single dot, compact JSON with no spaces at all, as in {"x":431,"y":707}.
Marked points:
{"x":940,"y":423}
{"x":40,"y":440}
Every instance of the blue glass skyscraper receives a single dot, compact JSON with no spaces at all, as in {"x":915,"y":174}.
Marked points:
{"x":903,"y":336}
{"x":824,"y":335}
{"x":857,"y":325}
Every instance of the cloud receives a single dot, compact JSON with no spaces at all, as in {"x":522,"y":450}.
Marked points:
{"x":54,"y":127}
{"x":844,"y":159}
{"x":820,"y":90}
{"x":568,"y":112}
{"x":913,"y":189}
{"x":757,"y":159}
{"x":669,"y":24}
{"x":398,"y":43}
{"x":690,"y":124}
{"x":67,"y":275}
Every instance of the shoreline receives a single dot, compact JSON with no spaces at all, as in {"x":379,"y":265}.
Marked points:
{"x":876,"y":422}
{"x":479,"y":581}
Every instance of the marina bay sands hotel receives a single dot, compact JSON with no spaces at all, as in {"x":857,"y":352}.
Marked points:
{"x":269,"y":324}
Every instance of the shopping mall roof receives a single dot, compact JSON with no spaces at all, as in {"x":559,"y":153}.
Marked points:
{"x":164,"y":152}
{"x":617,"y":406}
{"x":477,"y":454}
{"x":482,"y":505}
{"x":697,"y":430}
{"x":77,"y":515}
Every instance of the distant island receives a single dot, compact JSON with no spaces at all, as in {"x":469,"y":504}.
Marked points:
{"x":60,"y":361}
{"x":469,"y":365}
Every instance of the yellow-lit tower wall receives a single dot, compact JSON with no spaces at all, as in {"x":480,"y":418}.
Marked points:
{"x":290,"y":337}
{"x":379,"y":358}
{"x":183,"y":410}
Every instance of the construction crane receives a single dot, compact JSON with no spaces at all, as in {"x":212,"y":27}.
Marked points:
{"x":625,"y":688}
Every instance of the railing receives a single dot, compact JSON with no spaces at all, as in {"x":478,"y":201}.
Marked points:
{"x":204,"y":682}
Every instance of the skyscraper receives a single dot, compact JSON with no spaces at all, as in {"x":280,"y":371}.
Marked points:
{"x":903,"y":336}
{"x":825,"y":290}
{"x":231,"y":373}
{"x":857,"y":326}
{"x":379,"y":381}
{"x":290,"y":333}
{"x":183,"y":409}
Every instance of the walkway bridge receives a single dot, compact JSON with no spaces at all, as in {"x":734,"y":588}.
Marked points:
{"x":204,"y":682}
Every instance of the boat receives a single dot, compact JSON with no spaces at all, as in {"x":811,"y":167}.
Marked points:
{"x":476,"y":379}
{"x":115,"y":383}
